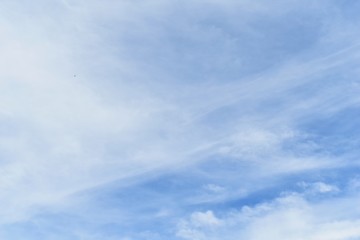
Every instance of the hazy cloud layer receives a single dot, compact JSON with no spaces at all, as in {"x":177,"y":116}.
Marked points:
{"x":179,"y":119}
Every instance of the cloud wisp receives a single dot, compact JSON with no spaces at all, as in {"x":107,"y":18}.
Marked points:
{"x":179,"y":120}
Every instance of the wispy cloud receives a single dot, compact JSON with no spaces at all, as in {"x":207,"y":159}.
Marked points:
{"x":293,"y":216}
{"x":161,"y":120}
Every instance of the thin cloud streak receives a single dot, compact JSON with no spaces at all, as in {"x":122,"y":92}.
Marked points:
{"x":228,"y":94}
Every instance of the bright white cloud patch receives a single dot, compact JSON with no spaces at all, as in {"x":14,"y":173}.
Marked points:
{"x":291,"y":216}
{"x":157,"y":119}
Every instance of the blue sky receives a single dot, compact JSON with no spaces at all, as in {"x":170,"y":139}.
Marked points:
{"x":184,"y":120}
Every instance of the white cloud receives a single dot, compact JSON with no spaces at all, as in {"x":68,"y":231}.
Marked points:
{"x":213,"y":188}
{"x":319,"y":187}
{"x":289,"y":217}
{"x":198,"y":222}
{"x":204,"y":219}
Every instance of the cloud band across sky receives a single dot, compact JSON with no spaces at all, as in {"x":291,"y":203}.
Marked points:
{"x":154,"y":119}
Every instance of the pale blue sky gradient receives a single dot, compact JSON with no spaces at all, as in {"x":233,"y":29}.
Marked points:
{"x":184,"y":120}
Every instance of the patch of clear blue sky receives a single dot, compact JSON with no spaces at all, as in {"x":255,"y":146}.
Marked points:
{"x":202,"y":42}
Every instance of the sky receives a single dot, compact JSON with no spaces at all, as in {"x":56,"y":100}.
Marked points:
{"x":179,"y":120}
